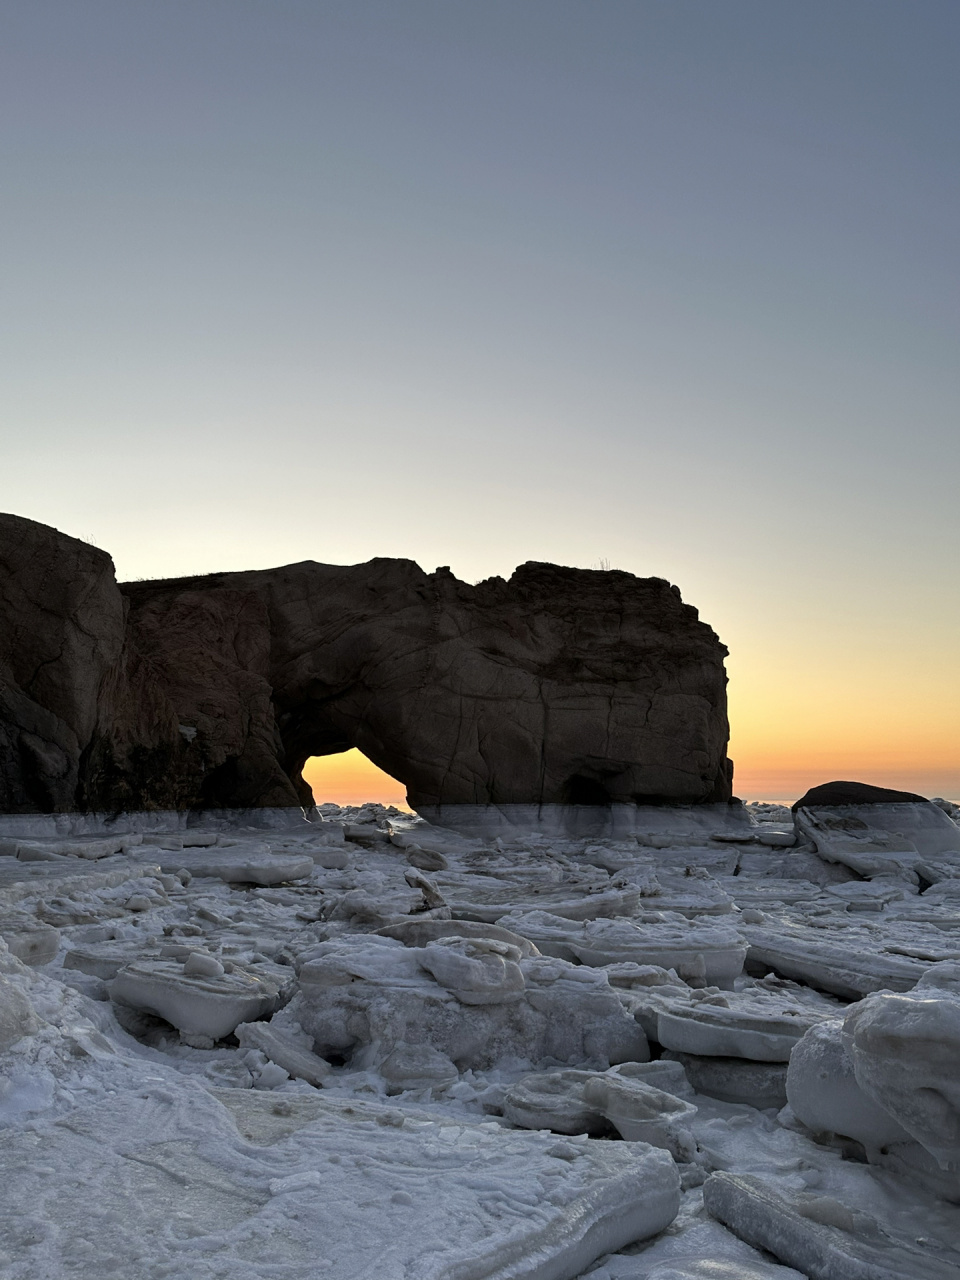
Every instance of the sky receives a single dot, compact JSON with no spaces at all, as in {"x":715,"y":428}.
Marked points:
{"x":669,"y":284}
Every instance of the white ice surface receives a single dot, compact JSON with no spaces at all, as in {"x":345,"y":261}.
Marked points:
{"x":127,"y":1152}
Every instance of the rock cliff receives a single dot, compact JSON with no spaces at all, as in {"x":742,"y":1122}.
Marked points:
{"x":557,"y":686}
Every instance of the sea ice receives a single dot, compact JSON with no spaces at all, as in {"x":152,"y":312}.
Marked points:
{"x":373,"y":991}
{"x":204,"y":1007}
{"x":819,"y":1235}
{"x":360,"y":1043}
{"x":905,"y":1049}
{"x":714,"y":953}
{"x":824,"y":1094}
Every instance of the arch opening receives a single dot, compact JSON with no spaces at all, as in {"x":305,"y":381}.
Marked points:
{"x":349,"y":778}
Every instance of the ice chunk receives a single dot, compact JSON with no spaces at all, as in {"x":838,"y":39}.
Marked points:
{"x":712,"y":953}
{"x":757,"y":1084}
{"x":642,"y":1113}
{"x":824,"y":1095}
{"x":762,"y":1021}
{"x":359,"y":991}
{"x":237,"y":864}
{"x":820,"y":1236}
{"x":576,"y":1102}
{"x":476,"y":970}
{"x":28,"y":938}
{"x":848,"y":968}
{"x":701,"y":1250}
{"x":877,"y":839}
{"x":426,"y":859}
{"x":670,"y":1076}
{"x":200,"y":965}
{"x":17,"y":1018}
{"x":106,"y":959}
{"x":554,"y":1100}
{"x":92,"y":847}
{"x":905,"y":1049}
{"x":417,"y":1066}
{"x":205,"y":1007}
{"x":417,"y":933}
{"x":294,"y":1059}
{"x":708,"y":1030}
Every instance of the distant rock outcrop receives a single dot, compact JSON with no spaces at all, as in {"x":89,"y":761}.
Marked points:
{"x":832,"y":794}
{"x":557,"y":686}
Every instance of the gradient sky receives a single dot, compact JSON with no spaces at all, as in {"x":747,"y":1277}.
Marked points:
{"x":670,"y":284}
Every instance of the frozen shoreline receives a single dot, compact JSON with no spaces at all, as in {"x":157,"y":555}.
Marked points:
{"x":380,"y":1021}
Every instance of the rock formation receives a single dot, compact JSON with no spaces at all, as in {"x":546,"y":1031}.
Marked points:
{"x":831,"y":794}
{"x":61,"y":641}
{"x":557,"y":686}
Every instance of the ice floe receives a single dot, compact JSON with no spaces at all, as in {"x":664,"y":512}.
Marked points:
{"x":672,"y":1045}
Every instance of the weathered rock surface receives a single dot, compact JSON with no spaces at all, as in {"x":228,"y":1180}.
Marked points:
{"x":559,"y":686}
{"x":61,"y":637}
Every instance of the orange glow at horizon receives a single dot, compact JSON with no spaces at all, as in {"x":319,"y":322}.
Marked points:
{"x":351,"y":779}
{"x":843,"y":713}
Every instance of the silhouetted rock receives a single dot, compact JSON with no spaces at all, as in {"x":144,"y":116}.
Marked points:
{"x":61,"y":636}
{"x":558,"y":686}
{"x":832,"y":794}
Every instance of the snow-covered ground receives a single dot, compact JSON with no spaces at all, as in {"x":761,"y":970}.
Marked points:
{"x":366,"y":1046}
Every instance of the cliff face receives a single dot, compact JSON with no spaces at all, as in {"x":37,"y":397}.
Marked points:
{"x":559,"y":685}
{"x":61,"y":637}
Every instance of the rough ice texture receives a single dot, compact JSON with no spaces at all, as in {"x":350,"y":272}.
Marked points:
{"x":360,"y":1127}
{"x":904,"y":1050}
{"x":816,"y":1234}
{"x":177,"y":1171}
{"x":559,"y":686}
{"x":824,"y":1094}
{"x":372,"y":993}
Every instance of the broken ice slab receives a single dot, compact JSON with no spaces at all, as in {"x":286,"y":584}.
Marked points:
{"x":478,"y":971}
{"x":696,"y":1248}
{"x":28,"y":938}
{"x":296,"y":1059}
{"x":904,"y":1049}
{"x":739,"y":1032}
{"x":203,"y":1007}
{"x":824,"y":1095}
{"x":417,"y":1067}
{"x":850,"y":969}
{"x":22,"y":882}
{"x":641,"y":1112}
{"x":105,"y":959}
{"x":760,"y":1022}
{"x":490,"y":900}
{"x":365,"y":991}
{"x":417,"y":933}
{"x":771,"y":892}
{"x":590,"y":1102}
{"x":870,"y":895}
{"x":90,"y":847}
{"x":819,"y":1235}
{"x":17,"y":1018}
{"x":680,"y":824}
{"x":757,"y":1084}
{"x":236,"y":864}
{"x":711,"y":954}
{"x":554,"y":1100}
{"x":236,"y":1182}
{"x":882,"y":839}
